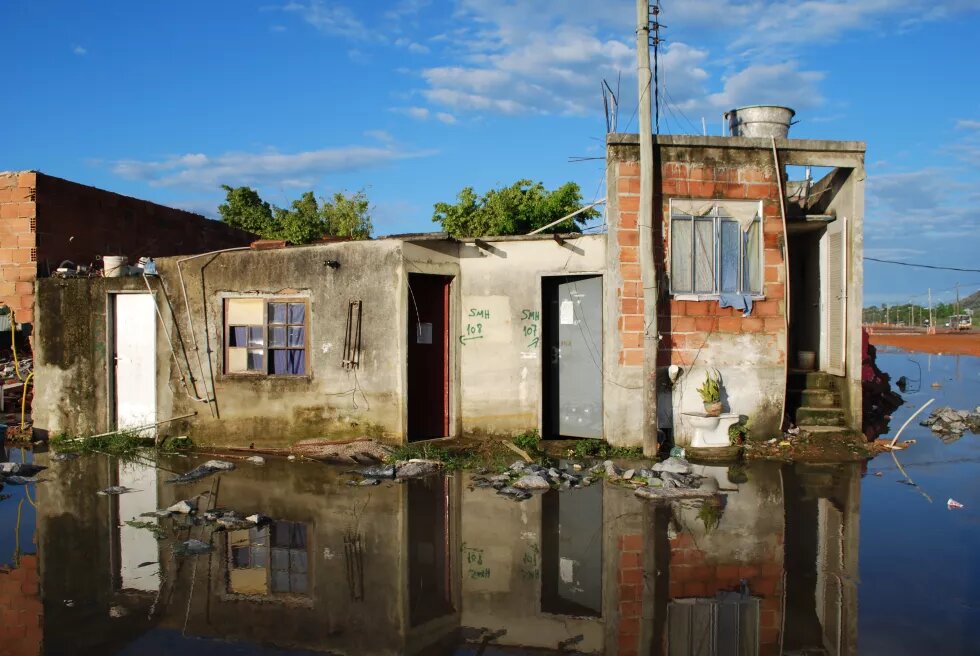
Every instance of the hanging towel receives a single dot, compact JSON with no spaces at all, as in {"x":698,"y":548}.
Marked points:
{"x":741,"y":302}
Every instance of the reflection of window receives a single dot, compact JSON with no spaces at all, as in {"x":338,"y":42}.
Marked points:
{"x":712,"y":251}
{"x":269,"y":560}
{"x":266,"y":336}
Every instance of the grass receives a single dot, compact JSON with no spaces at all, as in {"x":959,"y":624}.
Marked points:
{"x":490,"y":454}
{"x":585,"y":449}
{"x":120,"y":443}
{"x":529,"y":441}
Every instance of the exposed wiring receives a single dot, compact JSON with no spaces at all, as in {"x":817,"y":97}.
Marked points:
{"x":921,"y":266}
{"x":13,"y":343}
{"x":23,"y":402}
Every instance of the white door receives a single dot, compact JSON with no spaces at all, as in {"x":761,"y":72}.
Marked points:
{"x":835,"y":296}
{"x":136,"y":371}
{"x":138,"y":546}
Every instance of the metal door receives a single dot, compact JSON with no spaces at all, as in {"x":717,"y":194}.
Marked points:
{"x":835,"y":317}
{"x":135,"y":362}
{"x":577,"y":309}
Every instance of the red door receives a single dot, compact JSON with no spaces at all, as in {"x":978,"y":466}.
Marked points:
{"x":428,"y":356}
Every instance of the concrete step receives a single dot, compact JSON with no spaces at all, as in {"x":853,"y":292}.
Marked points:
{"x":812,"y":398}
{"x":809,"y":416}
{"x":812,"y":380}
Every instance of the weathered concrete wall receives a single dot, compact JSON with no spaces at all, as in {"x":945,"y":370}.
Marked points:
{"x":331,"y":400}
{"x":501,"y":300}
{"x":694,"y":332}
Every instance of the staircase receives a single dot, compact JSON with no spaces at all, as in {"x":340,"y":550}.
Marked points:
{"x":815,"y":401}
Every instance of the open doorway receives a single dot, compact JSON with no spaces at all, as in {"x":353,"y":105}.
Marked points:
{"x":572,"y":352}
{"x":806,"y":316}
{"x":428,"y":356}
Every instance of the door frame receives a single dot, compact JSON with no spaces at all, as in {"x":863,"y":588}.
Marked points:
{"x":828,"y":363}
{"x":449,"y":330}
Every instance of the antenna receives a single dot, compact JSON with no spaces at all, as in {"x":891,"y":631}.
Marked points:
{"x":655,"y":41}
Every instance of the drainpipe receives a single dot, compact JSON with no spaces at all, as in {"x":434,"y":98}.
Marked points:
{"x":786,"y":287}
{"x":644,"y":222}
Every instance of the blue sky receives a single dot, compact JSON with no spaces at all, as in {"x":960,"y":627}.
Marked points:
{"x":414,"y":99}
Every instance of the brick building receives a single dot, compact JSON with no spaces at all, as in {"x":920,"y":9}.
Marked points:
{"x":723,"y":198}
{"x":45,"y":220}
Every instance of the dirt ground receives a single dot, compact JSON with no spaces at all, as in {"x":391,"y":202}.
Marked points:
{"x":964,"y":343}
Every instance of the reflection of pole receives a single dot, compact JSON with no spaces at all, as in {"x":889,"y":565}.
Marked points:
{"x":932,"y":322}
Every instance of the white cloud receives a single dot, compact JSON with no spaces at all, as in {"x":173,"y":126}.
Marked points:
{"x":79,"y":50}
{"x":967,"y":124}
{"x":411,"y":46}
{"x":445,"y":117}
{"x":761,"y":84}
{"x":330,"y":18}
{"x":418,"y":113}
{"x":197,"y":170}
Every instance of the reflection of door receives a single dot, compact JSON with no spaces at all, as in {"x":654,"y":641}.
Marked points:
{"x":571,"y":552}
{"x":573,"y":346}
{"x":138,"y":546}
{"x":429,"y":550}
{"x":428,"y":356}
{"x":835,"y":263}
{"x":135,"y":361}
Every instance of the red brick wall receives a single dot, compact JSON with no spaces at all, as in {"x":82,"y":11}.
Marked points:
{"x":17,"y":243}
{"x":685,"y":325}
{"x":45,"y":220}
{"x":631,"y":582}
{"x":21,"y":612}
{"x":694,"y":575}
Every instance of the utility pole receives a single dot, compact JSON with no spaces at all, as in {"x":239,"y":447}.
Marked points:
{"x":655,"y":40}
{"x":644,"y":221}
{"x":932,"y":321}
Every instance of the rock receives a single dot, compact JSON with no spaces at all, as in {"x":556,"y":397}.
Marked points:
{"x":64,"y":455}
{"x":259,"y":519}
{"x":553,"y":473}
{"x":370,"y":481}
{"x":565,"y":485}
{"x":645,"y":473}
{"x":192,"y":548}
{"x":628,"y":474}
{"x":577,"y":467}
{"x":199,"y":472}
{"x":500,"y":478}
{"x":673,"y":465}
{"x":597,"y":469}
{"x":950,"y":422}
{"x":514,"y":493}
{"x":383,"y":471}
{"x":499,"y":485}
{"x":517,"y":466}
{"x":532,"y":482}
{"x":612,"y":471}
{"x":109,"y":491}
{"x":291,"y":457}
{"x":185,"y":507}
{"x":587,"y":481}
{"x":654,"y":482}
{"x":416,"y":468}
{"x":255,"y":460}
{"x":219,"y":465}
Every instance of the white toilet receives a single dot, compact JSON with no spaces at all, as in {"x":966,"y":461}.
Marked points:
{"x":710,"y":431}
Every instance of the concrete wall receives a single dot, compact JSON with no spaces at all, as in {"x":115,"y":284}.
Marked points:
{"x":45,"y":220}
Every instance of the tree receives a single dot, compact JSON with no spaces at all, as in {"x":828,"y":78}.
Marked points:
{"x":305,"y":221}
{"x":515,"y":210}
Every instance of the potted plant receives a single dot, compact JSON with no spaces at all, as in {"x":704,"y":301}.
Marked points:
{"x":710,"y":392}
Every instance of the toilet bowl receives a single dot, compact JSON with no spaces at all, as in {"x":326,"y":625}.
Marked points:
{"x":710,"y":431}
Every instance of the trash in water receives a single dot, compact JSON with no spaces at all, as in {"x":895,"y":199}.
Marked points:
{"x":936,"y":385}
{"x":115,"y":490}
{"x":784,"y":443}
{"x":259,"y":519}
{"x":156,"y":513}
{"x":953,"y":504}
{"x":184,"y":507}
{"x":64,"y":455}
{"x":947,"y":421}
{"x":20,"y":468}
{"x":383,"y":471}
{"x":256,"y":460}
{"x":878,"y":474}
{"x":199,"y":472}
{"x":21,"y":480}
{"x":677,"y":452}
{"x":191,"y":548}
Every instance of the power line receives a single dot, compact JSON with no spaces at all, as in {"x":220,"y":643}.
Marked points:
{"x":922,"y":266}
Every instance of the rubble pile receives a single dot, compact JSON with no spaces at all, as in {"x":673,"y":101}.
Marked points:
{"x":946,"y":421}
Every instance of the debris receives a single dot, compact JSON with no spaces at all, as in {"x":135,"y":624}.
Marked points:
{"x":784,"y":443}
{"x":673,"y":465}
{"x":628,"y":474}
{"x":669,"y":494}
{"x":290,"y":457}
{"x":517,"y":466}
{"x":201,"y":471}
{"x":21,"y":468}
{"x":612,"y":471}
{"x":947,"y":421}
{"x":192,"y":547}
{"x":64,"y":455}
{"x":255,"y":460}
{"x":514,"y":493}
{"x":384,"y":471}
{"x":953,"y":504}
{"x":111,"y":491}
{"x":518,"y":450}
{"x":416,"y":468}
{"x":156,"y":513}
{"x":185,"y":507}
{"x":532,"y":482}
{"x":362,"y":451}
{"x":370,"y":481}
{"x":677,"y":452}
{"x":577,"y":467}
{"x":878,"y":474}
{"x":936,"y":385}
{"x":259,"y":519}
{"x":21,"y":480}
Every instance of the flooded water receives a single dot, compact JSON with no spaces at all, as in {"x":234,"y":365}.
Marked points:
{"x":801,"y":559}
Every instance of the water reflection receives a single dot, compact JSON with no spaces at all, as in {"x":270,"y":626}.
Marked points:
{"x":438,"y":567}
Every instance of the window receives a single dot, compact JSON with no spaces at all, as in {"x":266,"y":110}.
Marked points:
{"x":715,"y":247}
{"x":266,"y":336}
{"x":269,"y":560}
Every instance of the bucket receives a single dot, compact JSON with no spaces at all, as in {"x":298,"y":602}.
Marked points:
{"x":114,"y":266}
{"x":807,"y":360}
{"x":760,"y":121}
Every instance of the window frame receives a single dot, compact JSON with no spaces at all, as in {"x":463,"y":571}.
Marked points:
{"x":266,"y":348}
{"x":269,"y":593}
{"x":717,"y":220}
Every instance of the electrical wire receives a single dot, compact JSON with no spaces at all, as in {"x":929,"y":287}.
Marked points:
{"x":921,"y":266}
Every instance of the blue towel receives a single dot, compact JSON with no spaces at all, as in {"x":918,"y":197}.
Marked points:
{"x":741,"y":302}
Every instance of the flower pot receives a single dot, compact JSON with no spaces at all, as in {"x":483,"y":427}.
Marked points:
{"x":712,"y":409}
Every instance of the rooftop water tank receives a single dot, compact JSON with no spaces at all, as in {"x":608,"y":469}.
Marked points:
{"x":760,"y":121}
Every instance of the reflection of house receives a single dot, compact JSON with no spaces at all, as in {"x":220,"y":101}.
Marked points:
{"x":423,"y":336}
{"x":427,"y":566}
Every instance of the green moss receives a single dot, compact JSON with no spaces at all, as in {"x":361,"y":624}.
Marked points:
{"x":585,"y":449}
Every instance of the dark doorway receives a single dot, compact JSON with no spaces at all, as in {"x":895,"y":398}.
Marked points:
{"x":429,"y":549}
{"x":571,"y":552}
{"x":572,"y":351}
{"x":428,"y":356}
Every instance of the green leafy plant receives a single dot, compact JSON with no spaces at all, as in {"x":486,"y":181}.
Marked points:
{"x":529,"y":441}
{"x":710,"y":515}
{"x":585,"y":449}
{"x":710,"y":390}
{"x":152,"y":527}
{"x":737,"y":433}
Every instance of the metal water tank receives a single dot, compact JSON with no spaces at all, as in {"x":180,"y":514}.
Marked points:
{"x":760,"y":121}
